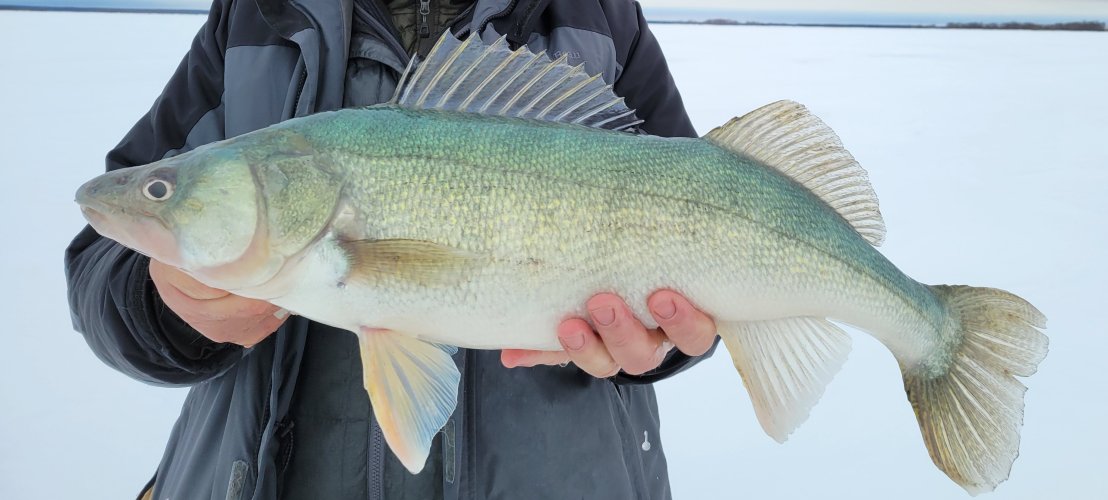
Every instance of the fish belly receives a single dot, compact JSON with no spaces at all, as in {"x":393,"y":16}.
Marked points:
{"x":739,"y":274}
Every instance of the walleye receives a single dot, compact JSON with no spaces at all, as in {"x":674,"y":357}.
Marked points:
{"x":497,"y":190}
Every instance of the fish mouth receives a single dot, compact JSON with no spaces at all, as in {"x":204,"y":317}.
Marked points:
{"x":94,"y":206}
{"x":131,"y":226}
{"x":102,"y":215}
{"x":143,"y":234}
{"x":93,"y":216}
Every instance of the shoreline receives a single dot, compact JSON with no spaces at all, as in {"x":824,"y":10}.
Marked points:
{"x":1087,"y":26}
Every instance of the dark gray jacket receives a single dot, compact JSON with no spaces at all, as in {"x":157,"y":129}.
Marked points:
{"x":547,"y":432}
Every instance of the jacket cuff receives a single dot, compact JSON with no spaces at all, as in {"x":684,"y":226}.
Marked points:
{"x":675,"y":362}
{"x":164,"y":331}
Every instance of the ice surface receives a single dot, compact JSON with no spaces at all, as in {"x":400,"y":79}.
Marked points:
{"x":985,"y":147}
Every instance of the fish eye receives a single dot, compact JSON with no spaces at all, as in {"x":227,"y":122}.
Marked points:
{"x":158,"y":190}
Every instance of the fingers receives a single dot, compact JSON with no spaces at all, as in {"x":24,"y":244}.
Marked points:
{"x":264,"y":328}
{"x":586,"y":349}
{"x":166,"y":274}
{"x":630,"y":344}
{"x":581,"y":345}
{"x":690,"y":330}
{"x":620,"y":340}
{"x":216,"y":314}
{"x":223,"y":308}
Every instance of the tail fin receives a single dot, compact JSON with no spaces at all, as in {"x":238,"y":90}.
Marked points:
{"x":971,"y":414}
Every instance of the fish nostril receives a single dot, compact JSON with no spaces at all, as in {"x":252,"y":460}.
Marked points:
{"x":122,"y":180}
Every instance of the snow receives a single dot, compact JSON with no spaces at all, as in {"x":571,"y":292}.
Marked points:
{"x":985,"y":148}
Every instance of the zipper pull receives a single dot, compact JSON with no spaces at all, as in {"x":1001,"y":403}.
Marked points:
{"x":424,"y":11}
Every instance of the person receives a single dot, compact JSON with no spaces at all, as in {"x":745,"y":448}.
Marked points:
{"x":276,"y":407}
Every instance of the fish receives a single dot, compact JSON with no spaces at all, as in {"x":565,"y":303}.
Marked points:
{"x":499,"y":189}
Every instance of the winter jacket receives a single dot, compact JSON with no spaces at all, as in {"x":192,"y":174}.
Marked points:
{"x":546,"y":432}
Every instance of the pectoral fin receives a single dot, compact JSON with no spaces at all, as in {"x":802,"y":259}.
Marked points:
{"x":422,"y":262}
{"x":785,"y":365}
{"x":413,"y":386}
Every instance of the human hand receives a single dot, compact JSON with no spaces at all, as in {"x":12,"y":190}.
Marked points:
{"x":620,"y":341}
{"x":217,"y":314}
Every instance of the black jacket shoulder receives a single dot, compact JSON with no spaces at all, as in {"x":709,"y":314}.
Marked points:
{"x":643,"y":76}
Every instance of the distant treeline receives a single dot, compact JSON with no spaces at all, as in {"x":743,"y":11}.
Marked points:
{"x":1071,"y":26}
{"x":1074,"y":26}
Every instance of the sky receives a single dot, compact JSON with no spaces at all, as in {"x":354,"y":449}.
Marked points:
{"x":1093,"y":8}
{"x":774,"y":11}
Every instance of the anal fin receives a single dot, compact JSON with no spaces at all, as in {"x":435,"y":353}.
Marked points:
{"x":413,"y":387}
{"x":785,"y":365}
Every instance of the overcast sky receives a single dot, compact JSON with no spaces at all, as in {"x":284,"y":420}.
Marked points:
{"x":926,"y":11}
{"x":1098,"y":8}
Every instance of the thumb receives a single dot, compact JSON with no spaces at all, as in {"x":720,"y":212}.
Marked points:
{"x":512,"y":358}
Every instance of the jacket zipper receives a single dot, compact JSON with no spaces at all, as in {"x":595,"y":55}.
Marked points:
{"x":469,"y":393}
{"x":375,"y":479}
{"x":299,"y":91}
{"x":424,"y":11}
{"x":461,"y":34}
{"x":498,"y":15}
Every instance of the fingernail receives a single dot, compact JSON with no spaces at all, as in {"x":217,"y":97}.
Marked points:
{"x":572,"y":341}
{"x":281,"y":313}
{"x":665,"y":309}
{"x":603,"y":316}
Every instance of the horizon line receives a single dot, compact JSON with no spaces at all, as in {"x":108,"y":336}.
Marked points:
{"x":660,"y":17}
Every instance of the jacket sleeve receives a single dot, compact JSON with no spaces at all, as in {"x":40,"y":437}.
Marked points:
{"x":112,"y":300}
{"x":648,"y":87}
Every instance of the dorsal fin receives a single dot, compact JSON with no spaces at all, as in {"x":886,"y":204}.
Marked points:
{"x":492,"y":79}
{"x":785,"y":136}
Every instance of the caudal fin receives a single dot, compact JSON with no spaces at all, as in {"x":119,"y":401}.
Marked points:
{"x":971,"y":412}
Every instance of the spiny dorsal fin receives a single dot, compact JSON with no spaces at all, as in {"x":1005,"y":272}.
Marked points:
{"x":492,"y":79}
{"x":785,"y":136}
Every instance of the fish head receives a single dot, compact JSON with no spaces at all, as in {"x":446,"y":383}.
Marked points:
{"x":229,"y":213}
{"x":195,"y":211}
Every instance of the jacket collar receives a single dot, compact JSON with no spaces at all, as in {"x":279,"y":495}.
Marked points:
{"x":284,"y":17}
{"x":287,"y":18}
{"x":321,"y":29}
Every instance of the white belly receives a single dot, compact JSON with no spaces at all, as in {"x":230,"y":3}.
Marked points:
{"x":499,"y":308}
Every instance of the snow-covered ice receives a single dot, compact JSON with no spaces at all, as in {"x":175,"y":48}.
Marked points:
{"x":985,"y":147}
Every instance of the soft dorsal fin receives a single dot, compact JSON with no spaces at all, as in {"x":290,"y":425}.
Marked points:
{"x":468,"y":75}
{"x":785,"y":136}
